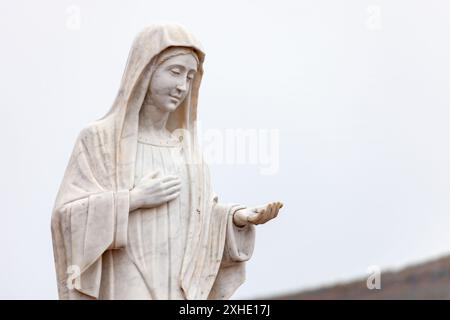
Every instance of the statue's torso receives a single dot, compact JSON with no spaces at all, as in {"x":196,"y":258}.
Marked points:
{"x":157,"y":236}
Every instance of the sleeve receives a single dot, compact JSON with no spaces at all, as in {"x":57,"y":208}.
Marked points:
{"x":87,"y":221}
{"x":90,"y":227}
{"x":239,"y":245}
{"x":240,"y":241}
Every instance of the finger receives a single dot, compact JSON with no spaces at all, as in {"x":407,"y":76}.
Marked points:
{"x":276,"y":210}
{"x":273,"y":211}
{"x":172,"y":190}
{"x":171,"y":197}
{"x":281,"y":206}
{"x":171,"y":183}
{"x":149,"y":176}
{"x":169,"y":178}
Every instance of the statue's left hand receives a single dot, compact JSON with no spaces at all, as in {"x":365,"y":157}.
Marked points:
{"x":257,"y":215}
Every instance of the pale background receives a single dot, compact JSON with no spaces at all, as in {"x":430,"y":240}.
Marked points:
{"x":359,"y":91}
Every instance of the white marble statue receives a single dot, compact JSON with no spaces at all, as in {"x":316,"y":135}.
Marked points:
{"x":135,"y":217}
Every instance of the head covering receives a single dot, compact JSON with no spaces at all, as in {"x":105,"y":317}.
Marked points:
{"x":173,"y":52}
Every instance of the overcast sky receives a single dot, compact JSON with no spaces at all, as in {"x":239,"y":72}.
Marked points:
{"x":355,"y":94}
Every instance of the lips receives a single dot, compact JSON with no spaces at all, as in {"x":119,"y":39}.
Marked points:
{"x":176,"y":99}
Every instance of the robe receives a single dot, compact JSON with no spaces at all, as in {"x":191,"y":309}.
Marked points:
{"x":144,"y":254}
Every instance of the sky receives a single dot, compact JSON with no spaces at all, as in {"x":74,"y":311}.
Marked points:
{"x":346,"y":103}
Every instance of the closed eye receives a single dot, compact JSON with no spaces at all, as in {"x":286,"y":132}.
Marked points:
{"x":191,"y":75}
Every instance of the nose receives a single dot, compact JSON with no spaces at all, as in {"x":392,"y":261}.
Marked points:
{"x":182,"y":85}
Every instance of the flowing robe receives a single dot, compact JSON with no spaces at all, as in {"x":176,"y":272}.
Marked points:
{"x":171,"y":252}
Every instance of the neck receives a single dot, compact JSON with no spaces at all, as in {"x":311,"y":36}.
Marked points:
{"x":152,"y":120}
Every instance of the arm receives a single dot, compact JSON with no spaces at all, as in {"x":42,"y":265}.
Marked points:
{"x":82,"y":230}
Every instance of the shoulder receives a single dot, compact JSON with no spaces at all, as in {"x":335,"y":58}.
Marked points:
{"x":98,"y":134}
{"x":94,"y":129}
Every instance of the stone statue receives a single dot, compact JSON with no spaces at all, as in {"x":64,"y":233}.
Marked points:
{"x":135,"y":217}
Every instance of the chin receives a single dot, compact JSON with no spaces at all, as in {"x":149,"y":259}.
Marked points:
{"x":170,"y":107}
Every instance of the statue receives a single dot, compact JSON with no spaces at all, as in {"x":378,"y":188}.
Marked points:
{"x":135,"y":217}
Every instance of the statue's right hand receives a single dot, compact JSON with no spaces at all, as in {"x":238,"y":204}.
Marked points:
{"x":153,"y":191}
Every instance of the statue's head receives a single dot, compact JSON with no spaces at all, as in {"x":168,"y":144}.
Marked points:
{"x":172,"y":78}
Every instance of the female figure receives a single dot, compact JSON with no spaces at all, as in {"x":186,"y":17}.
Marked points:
{"x":135,"y":217}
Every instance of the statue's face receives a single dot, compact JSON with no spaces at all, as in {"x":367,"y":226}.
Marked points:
{"x":172,"y":81}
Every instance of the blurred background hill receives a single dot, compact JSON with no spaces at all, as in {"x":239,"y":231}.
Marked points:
{"x":427,"y":280}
